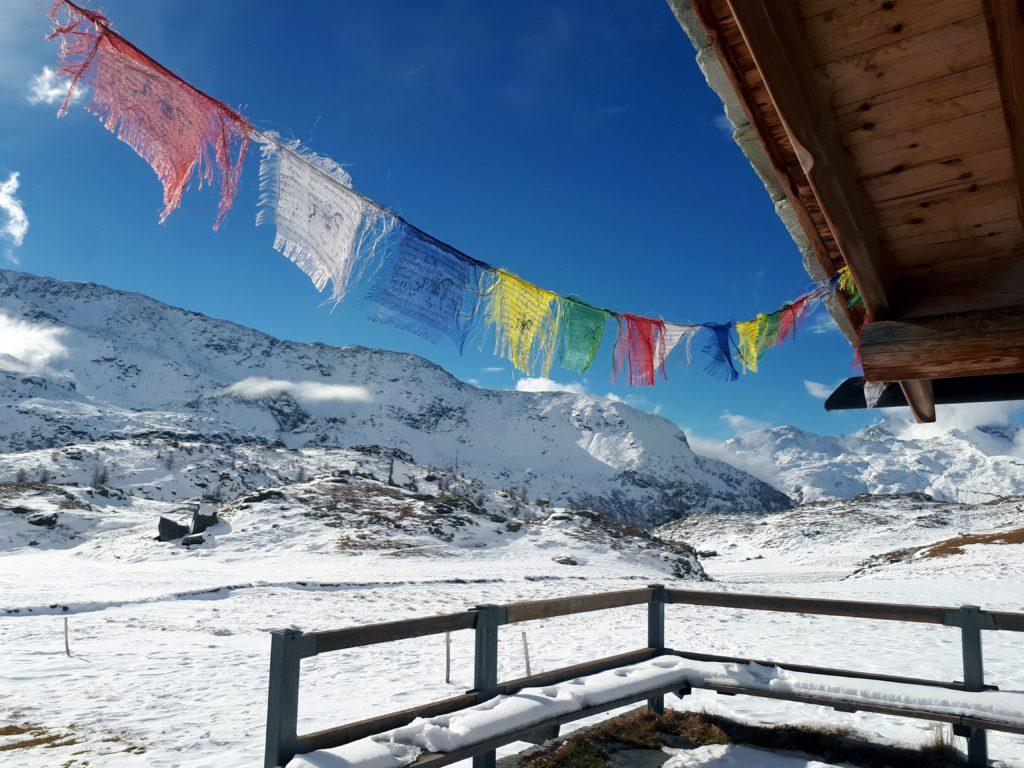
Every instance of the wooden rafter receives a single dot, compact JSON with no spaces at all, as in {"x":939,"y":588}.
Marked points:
{"x":1005,"y":20}
{"x":774,"y":32}
{"x":978,"y":343}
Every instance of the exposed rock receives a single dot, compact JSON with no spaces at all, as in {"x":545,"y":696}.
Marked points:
{"x":44,"y":521}
{"x":169,"y":530}
{"x":192,"y":539}
{"x":203,"y":518}
{"x":565,"y":560}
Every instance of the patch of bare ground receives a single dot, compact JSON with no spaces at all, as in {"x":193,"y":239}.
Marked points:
{"x":596,"y":747}
{"x":62,"y":498}
{"x":944,"y":548}
{"x":16,"y":737}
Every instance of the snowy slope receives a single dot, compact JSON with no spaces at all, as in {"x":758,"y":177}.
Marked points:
{"x":968,"y":465}
{"x":81,"y":364}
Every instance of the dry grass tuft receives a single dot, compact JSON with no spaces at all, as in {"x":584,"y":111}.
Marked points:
{"x":590,"y":747}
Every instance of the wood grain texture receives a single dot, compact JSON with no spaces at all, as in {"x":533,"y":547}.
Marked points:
{"x":919,"y":105}
{"x":856,"y":28}
{"x":921,"y":399}
{"x":773,"y":33}
{"x":965,"y":344}
{"x":1005,"y":21}
{"x":928,"y":56}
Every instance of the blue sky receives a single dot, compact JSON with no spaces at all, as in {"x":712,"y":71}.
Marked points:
{"x":574,"y":143}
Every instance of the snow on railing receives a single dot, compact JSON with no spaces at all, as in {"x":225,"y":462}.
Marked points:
{"x":535,"y":718}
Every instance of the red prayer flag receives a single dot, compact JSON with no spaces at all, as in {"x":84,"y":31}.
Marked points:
{"x":637,"y":342}
{"x":173,"y":126}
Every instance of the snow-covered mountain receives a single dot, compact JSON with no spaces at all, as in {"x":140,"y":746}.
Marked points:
{"x":83,"y":366}
{"x":970,"y":465}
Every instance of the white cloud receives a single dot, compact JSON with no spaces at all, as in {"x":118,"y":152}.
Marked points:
{"x":493,"y":369}
{"x":722,"y":123}
{"x":49,"y":87}
{"x":820,"y":391}
{"x":15,"y":225}
{"x":614,"y":398}
{"x":822,"y":323}
{"x":474,"y":382}
{"x":28,"y":347}
{"x":947,"y":417}
{"x":256,"y":387}
{"x":759,"y":465}
{"x":740,"y":424}
{"x":541,"y":384}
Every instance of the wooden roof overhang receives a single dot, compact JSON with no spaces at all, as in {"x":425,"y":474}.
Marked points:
{"x":895,"y":133}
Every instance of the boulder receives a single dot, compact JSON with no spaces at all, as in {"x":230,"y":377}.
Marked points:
{"x":193,"y":539}
{"x":565,"y":560}
{"x":203,"y":518}
{"x":169,"y":530}
{"x":44,"y":521}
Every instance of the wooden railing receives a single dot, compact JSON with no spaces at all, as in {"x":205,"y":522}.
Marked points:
{"x":289,"y":647}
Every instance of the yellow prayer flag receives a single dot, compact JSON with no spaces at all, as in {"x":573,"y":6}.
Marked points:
{"x":525,"y":319}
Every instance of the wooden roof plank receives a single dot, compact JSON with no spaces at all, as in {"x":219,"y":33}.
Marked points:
{"x":910,"y":62}
{"x":1005,"y":23}
{"x":967,"y":344}
{"x":919,"y":105}
{"x":857,"y":28}
{"x":941,"y":181}
{"x":774,"y":37}
{"x":957,"y":137}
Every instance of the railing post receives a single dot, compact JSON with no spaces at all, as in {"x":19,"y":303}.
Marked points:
{"x":485,"y":664}
{"x":287,"y":648}
{"x":972,"y":620}
{"x":656,"y":634}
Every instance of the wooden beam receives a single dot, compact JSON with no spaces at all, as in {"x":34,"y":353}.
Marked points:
{"x":920,"y":398}
{"x":1005,"y":19}
{"x":968,"y":344}
{"x":774,"y":32}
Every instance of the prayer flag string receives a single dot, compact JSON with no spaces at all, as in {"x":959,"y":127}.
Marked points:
{"x":338,"y":236}
{"x":174,"y":127}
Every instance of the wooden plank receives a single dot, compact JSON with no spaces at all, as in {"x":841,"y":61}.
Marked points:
{"x":958,"y":175}
{"x":1005,"y":23}
{"x":828,"y":671}
{"x":959,"y":207}
{"x":562,"y":674}
{"x":438,"y":759}
{"x":352,"y":637}
{"x":967,"y":344}
{"x":1008,"y":622}
{"x":958,"y":137}
{"x":962,"y":287}
{"x":344,"y":734}
{"x":920,"y":398}
{"x":919,"y":105}
{"x":565,"y":606}
{"x":962,"y":243}
{"x":772,"y":32}
{"x":860,"y":27}
{"x":953,"y":48}
{"x":927,"y":614}
{"x":734,"y":56}
{"x":846,"y":705}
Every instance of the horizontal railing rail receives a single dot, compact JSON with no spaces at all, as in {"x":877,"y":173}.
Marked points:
{"x":289,"y":647}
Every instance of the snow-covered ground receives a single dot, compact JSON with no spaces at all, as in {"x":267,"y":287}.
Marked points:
{"x":169,"y":644}
{"x":116,"y":409}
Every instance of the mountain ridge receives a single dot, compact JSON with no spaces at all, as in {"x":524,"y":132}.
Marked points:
{"x":87,"y":364}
